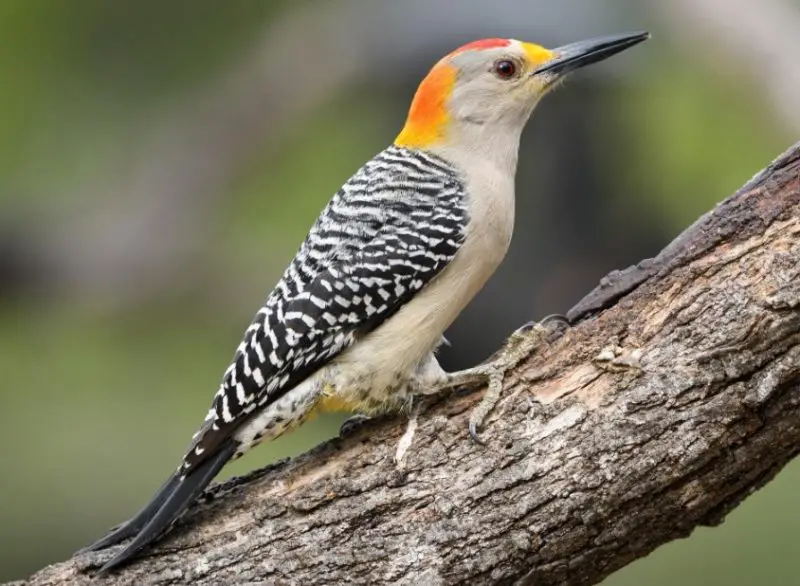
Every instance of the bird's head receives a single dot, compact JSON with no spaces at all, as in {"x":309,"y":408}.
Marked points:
{"x":491,"y":87}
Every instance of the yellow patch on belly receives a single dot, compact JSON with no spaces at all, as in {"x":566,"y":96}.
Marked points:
{"x":332,"y":403}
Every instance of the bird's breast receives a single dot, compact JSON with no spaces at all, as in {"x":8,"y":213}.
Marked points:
{"x":491,"y":212}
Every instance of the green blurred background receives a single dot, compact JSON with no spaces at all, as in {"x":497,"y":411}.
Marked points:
{"x":161,"y":161}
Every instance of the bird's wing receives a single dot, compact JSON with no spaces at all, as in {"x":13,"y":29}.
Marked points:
{"x":390,"y":230}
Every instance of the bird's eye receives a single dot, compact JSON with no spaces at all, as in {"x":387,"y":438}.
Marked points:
{"x":505,"y":69}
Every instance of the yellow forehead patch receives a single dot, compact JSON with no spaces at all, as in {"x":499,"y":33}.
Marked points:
{"x":537,"y":54}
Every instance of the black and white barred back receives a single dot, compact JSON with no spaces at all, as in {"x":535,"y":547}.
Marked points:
{"x":387,"y":233}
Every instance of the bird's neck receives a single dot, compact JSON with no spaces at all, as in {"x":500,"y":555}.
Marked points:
{"x":482,"y":147}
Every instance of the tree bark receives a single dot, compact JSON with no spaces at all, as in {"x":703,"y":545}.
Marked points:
{"x":674,"y":396}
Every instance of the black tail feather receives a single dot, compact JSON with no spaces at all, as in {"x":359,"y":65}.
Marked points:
{"x":133,"y":526}
{"x":168,"y":505}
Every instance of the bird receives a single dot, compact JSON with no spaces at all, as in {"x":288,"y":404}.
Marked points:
{"x":398,"y":252}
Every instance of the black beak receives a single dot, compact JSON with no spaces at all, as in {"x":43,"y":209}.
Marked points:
{"x":571,"y":57}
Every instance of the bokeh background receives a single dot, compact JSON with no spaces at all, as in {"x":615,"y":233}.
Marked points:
{"x":161,"y":161}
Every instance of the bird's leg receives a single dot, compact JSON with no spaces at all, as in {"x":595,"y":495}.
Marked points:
{"x":492,"y":372}
{"x":369,"y":411}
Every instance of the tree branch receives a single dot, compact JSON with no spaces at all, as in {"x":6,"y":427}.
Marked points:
{"x":661,"y":413}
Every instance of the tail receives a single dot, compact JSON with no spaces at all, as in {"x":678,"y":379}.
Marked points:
{"x":167,"y":506}
{"x":133,"y":526}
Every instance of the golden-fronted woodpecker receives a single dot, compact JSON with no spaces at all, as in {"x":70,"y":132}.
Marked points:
{"x":391,"y":261}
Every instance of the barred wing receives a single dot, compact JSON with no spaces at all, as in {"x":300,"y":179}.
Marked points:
{"x":382,"y":238}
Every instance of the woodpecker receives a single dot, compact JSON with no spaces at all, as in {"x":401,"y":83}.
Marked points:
{"x":398,"y":252}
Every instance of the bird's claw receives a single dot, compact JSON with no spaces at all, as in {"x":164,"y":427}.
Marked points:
{"x":519,"y":345}
{"x":353,"y":424}
{"x":473,"y":433}
{"x":463,"y":390}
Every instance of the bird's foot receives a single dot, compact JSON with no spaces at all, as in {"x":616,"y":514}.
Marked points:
{"x":518,"y":347}
{"x":353,"y":424}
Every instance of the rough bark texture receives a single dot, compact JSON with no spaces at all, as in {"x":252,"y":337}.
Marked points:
{"x":678,"y":399}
